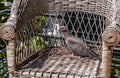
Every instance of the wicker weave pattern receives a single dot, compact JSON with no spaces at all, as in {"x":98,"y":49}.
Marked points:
{"x":62,"y":67}
{"x":23,"y":8}
{"x":88,"y":27}
{"x":101,"y":7}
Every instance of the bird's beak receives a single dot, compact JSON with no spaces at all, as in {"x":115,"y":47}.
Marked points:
{"x":62,"y":28}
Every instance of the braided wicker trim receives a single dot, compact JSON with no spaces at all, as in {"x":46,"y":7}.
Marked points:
{"x":7,"y":31}
{"x":111,"y":37}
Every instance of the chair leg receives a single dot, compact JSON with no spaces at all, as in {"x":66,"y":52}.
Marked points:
{"x":106,"y":61}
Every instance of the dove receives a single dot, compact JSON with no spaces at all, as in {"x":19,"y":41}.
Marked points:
{"x":76,"y":46}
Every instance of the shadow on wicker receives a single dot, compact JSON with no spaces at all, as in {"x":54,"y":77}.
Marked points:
{"x":55,"y":62}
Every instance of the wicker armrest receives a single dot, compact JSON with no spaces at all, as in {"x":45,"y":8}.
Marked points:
{"x":7,"y":31}
{"x":110,"y":40}
{"x":111,"y":37}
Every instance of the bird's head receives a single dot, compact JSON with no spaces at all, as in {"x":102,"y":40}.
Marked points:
{"x":63,"y":29}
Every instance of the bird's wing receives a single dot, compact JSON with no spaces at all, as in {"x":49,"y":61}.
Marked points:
{"x":78,"y":48}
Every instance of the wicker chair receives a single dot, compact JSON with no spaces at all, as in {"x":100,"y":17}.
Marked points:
{"x":36,"y":47}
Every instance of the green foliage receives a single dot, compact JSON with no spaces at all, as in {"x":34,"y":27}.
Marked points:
{"x":2,"y":44}
{"x":4,"y":12}
{"x":115,"y":70}
{"x":2,"y":7}
{"x":38,"y":42}
{"x":116,"y":62}
{"x":2,"y":55}
{"x":4,"y":16}
{"x":38,"y":23}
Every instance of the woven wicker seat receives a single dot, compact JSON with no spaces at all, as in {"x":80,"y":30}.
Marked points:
{"x":60,"y":66}
{"x":36,"y":48}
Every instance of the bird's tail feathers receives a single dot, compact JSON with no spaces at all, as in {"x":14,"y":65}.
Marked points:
{"x":95,"y":56}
